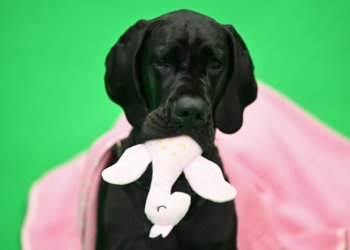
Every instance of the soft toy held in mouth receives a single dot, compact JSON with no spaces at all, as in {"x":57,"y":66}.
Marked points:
{"x":170,"y":157}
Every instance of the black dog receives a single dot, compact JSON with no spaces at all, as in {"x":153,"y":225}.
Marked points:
{"x":181,"y":73}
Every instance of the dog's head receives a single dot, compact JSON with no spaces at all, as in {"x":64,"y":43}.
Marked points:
{"x":181,"y":73}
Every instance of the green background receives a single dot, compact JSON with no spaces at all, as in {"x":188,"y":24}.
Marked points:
{"x":53,"y":103}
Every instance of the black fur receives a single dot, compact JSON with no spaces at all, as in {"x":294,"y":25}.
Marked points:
{"x":180,"y":61}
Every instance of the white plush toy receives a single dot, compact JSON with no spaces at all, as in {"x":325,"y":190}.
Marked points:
{"x":170,"y":157}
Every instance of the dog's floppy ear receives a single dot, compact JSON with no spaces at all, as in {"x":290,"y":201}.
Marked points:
{"x":241,"y":88}
{"x":121,"y":77}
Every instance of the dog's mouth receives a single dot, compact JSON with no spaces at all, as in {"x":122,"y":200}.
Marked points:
{"x":160,"y":124}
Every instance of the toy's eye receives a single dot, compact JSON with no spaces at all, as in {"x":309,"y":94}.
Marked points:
{"x":216,"y":65}
{"x":162,"y":63}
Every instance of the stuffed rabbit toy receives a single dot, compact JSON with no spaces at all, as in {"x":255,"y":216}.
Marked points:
{"x":170,"y":157}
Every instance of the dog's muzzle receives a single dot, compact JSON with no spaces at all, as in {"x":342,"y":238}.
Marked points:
{"x":190,"y":111}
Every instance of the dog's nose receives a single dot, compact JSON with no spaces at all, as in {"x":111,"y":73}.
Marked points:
{"x":190,"y":111}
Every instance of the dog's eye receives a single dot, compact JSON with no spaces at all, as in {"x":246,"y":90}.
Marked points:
{"x":216,"y":65}
{"x":161,"y":63}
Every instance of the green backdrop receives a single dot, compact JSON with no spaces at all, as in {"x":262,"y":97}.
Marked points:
{"x":53,"y":103}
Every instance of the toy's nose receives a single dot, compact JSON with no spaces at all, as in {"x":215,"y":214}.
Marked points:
{"x":190,"y":111}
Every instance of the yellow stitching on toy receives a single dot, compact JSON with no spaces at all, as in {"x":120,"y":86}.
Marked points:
{"x":173,"y":154}
{"x":163,"y":147}
{"x":183,"y":145}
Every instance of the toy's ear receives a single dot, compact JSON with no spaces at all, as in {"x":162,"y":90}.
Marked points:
{"x":131,"y":165}
{"x":207,"y":180}
{"x":241,"y":88}
{"x":122,"y":73}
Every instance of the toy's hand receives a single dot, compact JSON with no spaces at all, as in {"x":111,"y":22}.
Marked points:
{"x":207,"y":180}
{"x":131,"y":165}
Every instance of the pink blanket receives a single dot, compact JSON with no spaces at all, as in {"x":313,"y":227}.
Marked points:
{"x":291,"y":173}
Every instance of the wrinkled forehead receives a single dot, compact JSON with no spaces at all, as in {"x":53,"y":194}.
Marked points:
{"x":187,"y":33}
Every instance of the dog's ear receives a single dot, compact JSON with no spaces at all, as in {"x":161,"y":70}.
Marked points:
{"x":241,"y":88}
{"x":122,"y":78}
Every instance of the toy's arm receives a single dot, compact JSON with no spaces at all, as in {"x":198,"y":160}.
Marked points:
{"x":131,"y":165}
{"x":207,"y":180}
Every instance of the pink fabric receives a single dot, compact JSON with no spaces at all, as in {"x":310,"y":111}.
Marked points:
{"x":291,"y":173}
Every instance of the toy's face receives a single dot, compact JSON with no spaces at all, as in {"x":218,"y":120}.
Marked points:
{"x":184,"y":69}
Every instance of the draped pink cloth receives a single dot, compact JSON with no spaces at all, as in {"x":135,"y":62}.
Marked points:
{"x":291,"y":173}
